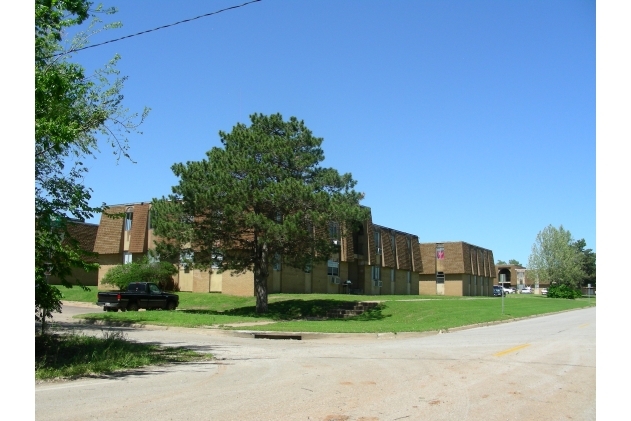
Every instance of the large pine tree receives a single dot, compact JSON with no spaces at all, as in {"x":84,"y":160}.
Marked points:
{"x":262,"y":197}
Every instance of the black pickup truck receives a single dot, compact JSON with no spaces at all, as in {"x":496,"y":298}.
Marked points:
{"x":138,"y":295}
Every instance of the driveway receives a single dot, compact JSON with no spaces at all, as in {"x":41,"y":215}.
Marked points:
{"x":540,"y":368}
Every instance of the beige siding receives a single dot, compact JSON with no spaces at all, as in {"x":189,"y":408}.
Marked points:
{"x":238,"y":284}
{"x":106,"y":262}
{"x":292,"y":280}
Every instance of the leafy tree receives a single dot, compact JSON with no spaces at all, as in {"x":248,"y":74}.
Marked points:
{"x":563,"y":291}
{"x":514,"y":262}
{"x":72,"y":111}
{"x":501,"y":262}
{"x":261,"y":196}
{"x":588,"y":263}
{"x":555,"y":258}
{"x":160,"y":273}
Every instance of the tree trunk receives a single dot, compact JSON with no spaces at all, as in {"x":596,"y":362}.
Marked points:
{"x":260,"y":279}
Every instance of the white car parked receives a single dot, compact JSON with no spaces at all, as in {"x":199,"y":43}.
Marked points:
{"x":526,"y":290}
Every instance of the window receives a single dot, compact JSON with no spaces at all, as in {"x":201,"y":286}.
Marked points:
{"x":378,"y":241}
{"x":186,"y":260}
{"x":333,"y":268}
{"x":216,"y":261}
{"x":440,"y":252}
{"x":334,"y":230}
{"x":126,"y":257}
{"x":152,"y":257}
{"x":154,"y":289}
{"x":277,"y":260}
{"x":129,"y":215}
{"x":409,"y":277}
{"x":376,"y":273}
{"x":392,"y":275}
{"x":440,"y":277}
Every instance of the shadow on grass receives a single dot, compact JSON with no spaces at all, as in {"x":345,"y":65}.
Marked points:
{"x":298,"y":310}
{"x":72,"y":356}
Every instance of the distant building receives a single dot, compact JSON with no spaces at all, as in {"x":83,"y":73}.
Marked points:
{"x":511,"y":276}
{"x":457,"y":269}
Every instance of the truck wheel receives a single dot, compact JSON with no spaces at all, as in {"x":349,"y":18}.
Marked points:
{"x":170,"y":306}
{"x":133,"y":306}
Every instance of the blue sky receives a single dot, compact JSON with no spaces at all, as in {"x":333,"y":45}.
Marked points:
{"x":460,"y":120}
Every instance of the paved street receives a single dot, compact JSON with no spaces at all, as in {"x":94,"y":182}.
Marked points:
{"x":534,"y":369}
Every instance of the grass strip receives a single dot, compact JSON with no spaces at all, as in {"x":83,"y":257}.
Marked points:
{"x":308,"y":313}
{"x":73,"y":355}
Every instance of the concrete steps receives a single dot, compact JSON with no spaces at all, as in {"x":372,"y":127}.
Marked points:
{"x":351,"y":309}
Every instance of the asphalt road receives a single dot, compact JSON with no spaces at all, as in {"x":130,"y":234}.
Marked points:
{"x":542,"y":368}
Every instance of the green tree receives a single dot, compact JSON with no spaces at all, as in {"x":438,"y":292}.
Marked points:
{"x":501,"y":262}
{"x":555,"y":258}
{"x":72,"y":112}
{"x":588,"y":263}
{"x":160,"y":273}
{"x":514,"y":262}
{"x":261,"y":196}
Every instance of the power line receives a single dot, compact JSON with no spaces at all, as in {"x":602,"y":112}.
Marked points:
{"x":159,"y":27}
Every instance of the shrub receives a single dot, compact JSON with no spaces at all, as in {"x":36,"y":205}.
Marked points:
{"x":160,"y":273}
{"x":563,"y":291}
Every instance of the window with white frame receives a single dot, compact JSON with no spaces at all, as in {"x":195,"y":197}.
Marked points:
{"x":333,"y":268}
{"x":129,"y":215}
{"x":126,"y":257}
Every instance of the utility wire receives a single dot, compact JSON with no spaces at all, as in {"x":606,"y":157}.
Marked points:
{"x":159,"y":27}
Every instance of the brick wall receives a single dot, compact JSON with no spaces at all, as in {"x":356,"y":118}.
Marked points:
{"x":201,"y":281}
{"x":106,"y":262}
{"x":241,"y":284}
{"x":292,"y":280}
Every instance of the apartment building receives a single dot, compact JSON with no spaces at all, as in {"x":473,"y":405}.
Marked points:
{"x":457,"y":269}
{"x":372,"y":260}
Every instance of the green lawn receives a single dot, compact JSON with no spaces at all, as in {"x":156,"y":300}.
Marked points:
{"x":306,"y":312}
